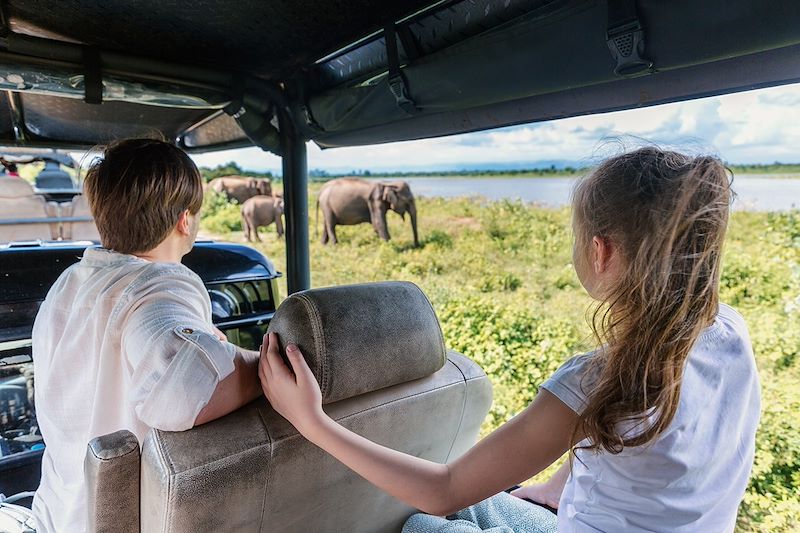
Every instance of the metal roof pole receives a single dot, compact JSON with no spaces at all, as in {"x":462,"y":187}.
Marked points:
{"x":295,"y":197}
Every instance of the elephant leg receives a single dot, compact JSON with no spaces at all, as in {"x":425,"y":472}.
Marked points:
{"x":255,"y":233}
{"x":279,"y":226}
{"x":329,"y":231}
{"x":332,"y":234}
{"x":381,"y":228}
{"x":246,"y":229}
{"x":377,"y":217}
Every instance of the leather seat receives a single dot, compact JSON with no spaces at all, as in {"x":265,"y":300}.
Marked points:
{"x":79,"y":231}
{"x":18,"y":201}
{"x":378,"y":354}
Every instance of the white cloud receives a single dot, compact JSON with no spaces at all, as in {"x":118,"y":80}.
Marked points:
{"x":758,"y":126}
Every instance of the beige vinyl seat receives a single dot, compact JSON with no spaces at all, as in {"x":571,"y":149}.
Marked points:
{"x":18,"y":201}
{"x":85,"y":230}
{"x":378,"y":353}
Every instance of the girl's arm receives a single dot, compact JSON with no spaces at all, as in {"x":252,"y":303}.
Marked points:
{"x":518,"y":450}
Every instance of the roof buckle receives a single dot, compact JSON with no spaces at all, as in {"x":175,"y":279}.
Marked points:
{"x":235,"y":108}
{"x":399,"y":88}
{"x":398,"y":84}
{"x":626,"y":43}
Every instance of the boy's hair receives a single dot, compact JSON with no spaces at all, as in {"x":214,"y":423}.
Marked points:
{"x":667,"y":214}
{"x":137,"y":191}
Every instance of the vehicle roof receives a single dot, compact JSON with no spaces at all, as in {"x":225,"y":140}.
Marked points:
{"x":210,"y":74}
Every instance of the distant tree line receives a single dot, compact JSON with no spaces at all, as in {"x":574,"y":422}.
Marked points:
{"x":321,"y":175}
{"x":231,"y":168}
{"x":771,"y":168}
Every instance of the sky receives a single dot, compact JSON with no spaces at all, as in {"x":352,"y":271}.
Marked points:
{"x":761,"y":126}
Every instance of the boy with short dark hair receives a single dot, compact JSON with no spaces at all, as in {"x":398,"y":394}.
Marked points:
{"x":124,"y":339}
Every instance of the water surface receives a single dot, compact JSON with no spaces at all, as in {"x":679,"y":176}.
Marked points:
{"x":754,"y":192}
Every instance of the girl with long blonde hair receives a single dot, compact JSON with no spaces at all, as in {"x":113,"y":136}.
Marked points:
{"x":660,"y":418}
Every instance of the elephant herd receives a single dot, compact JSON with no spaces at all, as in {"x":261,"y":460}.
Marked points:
{"x":343,"y":201}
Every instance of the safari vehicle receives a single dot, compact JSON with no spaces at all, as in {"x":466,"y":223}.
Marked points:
{"x":219,"y":75}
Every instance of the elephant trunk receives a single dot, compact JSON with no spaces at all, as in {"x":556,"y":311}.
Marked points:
{"x":412,"y":211}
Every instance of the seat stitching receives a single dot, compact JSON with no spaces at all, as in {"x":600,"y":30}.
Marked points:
{"x":443,"y":357}
{"x":269,"y":471}
{"x":463,"y":411}
{"x":171,"y":469}
{"x":222,"y":459}
{"x":399,"y":400}
{"x":113,"y":458}
{"x":319,"y":342}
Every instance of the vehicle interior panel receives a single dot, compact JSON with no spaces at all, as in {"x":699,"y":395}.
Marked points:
{"x":267,"y":38}
{"x":73,"y":121}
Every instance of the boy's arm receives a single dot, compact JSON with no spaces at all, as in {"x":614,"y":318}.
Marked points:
{"x":183,"y":371}
{"x":239,"y":388}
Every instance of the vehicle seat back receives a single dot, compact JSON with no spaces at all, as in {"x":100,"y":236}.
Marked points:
{"x":378,"y":354}
{"x":17,"y":201}
{"x":112,"y":467}
{"x":79,"y":231}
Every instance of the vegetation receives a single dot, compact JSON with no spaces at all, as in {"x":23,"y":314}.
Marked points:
{"x":500,"y":277}
{"x":231,"y":169}
{"x":772,"y":168}
{"x":545,"y":172}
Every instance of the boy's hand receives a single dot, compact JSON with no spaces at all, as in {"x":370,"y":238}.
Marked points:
{"x":294,"y":393}
{"x":218,"y":334}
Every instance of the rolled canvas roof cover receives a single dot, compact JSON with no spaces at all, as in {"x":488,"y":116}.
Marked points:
{"x":185,"y":70}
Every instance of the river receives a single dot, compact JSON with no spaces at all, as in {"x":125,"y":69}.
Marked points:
{"x":754,"y":192}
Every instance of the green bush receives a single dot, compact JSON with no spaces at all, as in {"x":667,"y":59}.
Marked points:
{"x":219,"y":215}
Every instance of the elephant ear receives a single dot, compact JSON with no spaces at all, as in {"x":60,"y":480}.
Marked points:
{"x":389,"y":195}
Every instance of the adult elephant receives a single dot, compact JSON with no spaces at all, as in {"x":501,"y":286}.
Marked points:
{"x":349,"y":201}
{"x":240,"y":188}
{"x":261,"y":211}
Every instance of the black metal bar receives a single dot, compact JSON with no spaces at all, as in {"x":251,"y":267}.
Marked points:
{"x":295,"y":195}
{"x":17,"y":116}
{"x":257,"y":320}
{"x":42,"y":220}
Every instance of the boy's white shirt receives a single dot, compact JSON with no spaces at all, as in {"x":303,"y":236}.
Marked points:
{"x":694,"y":475}
{"x":119,"y":343}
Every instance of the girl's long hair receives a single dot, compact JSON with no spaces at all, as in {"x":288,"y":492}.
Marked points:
{"x":666,"y":215}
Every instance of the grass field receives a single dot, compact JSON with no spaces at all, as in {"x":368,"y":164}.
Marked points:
{"x":500,"y":277}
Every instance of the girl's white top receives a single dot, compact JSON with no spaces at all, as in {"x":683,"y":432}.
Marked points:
{"x":694,"y":475}
{"x":119,"y":343}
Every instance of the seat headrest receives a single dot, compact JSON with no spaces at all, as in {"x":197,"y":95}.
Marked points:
{"x":361,"y":338}
{"x":14,"y":187}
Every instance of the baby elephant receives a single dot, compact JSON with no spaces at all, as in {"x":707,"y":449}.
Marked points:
{"x":261,"y":211}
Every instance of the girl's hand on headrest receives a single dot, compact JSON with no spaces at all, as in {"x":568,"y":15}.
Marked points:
{"x":293,"y":392}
